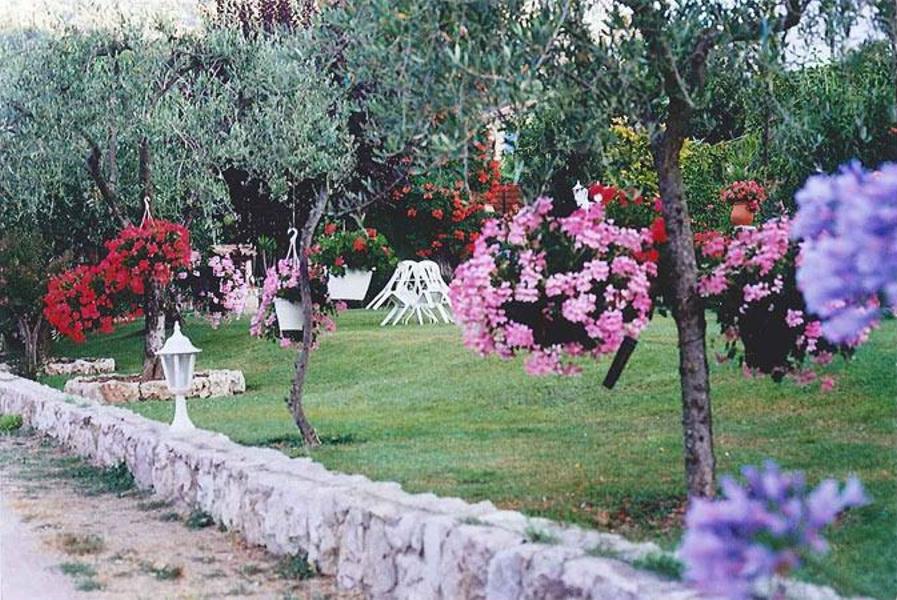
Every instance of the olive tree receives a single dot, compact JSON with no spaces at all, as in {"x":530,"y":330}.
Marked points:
{"x":96,"y":130}
{"x":442,"y":68}
{"x":283,"y":122}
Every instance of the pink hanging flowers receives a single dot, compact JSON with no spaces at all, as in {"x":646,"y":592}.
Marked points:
{"x":554,"y":287}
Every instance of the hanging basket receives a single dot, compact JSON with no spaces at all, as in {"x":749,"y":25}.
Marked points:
{"x":289,"y":314}
{"x":351,"y":286}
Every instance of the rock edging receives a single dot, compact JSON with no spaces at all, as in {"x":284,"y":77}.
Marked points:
{"x":79,"y":366}
{"x":372,"y":536}
{"x":119,"y":390}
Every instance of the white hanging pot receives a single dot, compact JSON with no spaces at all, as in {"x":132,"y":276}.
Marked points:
{"x":289,"y":314}
{"x":351,"y":286}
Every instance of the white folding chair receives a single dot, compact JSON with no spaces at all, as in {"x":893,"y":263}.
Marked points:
{"x":403,"y":271}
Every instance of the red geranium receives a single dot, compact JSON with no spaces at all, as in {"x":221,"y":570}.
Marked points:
{"x":90,"y":297}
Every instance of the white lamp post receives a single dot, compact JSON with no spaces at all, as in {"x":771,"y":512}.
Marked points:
{"x":178,"y":359}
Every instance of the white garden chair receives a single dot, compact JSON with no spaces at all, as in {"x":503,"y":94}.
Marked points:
{"x":404,"y":271}
{"x":435,"y":289}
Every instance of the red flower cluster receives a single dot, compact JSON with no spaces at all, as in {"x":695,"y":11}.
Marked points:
{"x":155,"y":250}
{"x":77,"y":301}
{"x":747,"y":192}
{"x":443,"y":218}
{"x":90,"y":297}
{"x":630,"y":209}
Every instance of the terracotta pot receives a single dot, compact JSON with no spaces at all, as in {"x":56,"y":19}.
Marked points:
{"x":741,"y":214}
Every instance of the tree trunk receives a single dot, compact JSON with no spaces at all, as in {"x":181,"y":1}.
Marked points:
{"x":33,"y":337}
{"x":154,"y":334}
{"x":688,"y":312}
{"x":294,"y":401}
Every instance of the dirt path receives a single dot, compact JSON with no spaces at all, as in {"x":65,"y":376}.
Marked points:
{"x":69,"y":530}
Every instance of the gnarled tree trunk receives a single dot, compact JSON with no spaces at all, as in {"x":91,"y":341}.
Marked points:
{"x":154,"y":334}
{"x":294,"y":401}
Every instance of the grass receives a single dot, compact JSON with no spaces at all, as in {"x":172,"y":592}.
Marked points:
{"x":163,"y":572}
{"x":77,"y":569}
{"x":94,"y":480}
{"x":410,"y":404}
{"x":295,"y":567}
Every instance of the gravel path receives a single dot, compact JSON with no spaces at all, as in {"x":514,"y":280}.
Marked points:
{"x":68,"y":530}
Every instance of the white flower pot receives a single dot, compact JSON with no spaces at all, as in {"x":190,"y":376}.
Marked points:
{"x":289,"y":314}
{"x":351,"y":286}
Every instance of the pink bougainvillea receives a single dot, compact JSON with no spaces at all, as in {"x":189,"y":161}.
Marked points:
{"x":554,"y":287}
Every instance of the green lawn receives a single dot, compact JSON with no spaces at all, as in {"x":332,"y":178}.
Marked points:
{"x":412,"y":405}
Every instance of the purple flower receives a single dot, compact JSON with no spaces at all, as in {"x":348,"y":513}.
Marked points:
{"x":848,"y":222}
{"x":759,"y":528}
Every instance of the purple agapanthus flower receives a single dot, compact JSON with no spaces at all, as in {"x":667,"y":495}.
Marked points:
{"x":760,"y":528}
{"x":848,"y":224}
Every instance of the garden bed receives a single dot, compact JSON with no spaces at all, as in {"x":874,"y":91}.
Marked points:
{"x":120,"y":389}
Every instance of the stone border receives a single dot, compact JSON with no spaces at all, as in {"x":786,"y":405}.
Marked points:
{"x":372,"y":536}
{"x":120,"y":389}
{"x":79,"y":366}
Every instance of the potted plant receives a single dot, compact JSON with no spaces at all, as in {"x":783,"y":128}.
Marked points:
{"x":351,"y":258}
{"x":279,"y":316}
{"x":745,"y":198}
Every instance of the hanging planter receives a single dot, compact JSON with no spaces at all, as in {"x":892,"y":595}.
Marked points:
{"x":289,"y":314}
{"x":351,"y":257}
{"x":351,"y":286}
{"x":279,"y":301}
{"x":555,"y":286}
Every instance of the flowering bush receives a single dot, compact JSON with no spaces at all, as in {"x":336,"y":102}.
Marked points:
{"x":364,"y":249}
{"x":441,"y":219}
{"x":282,"y":281}
{"x":765,"y":527}
{"x":557,"y":287}
{"x":218,"y":285}
{"x":848,"y":222}
{"x":749,"y":193}
{"x":749,"y":281}
{"x":90,"y":297}
{"x":77,"y":302}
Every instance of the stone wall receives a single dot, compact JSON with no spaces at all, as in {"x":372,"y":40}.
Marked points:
{"x":371,"y":536}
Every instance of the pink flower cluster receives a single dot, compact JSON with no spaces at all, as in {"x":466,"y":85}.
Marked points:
{"x":754,"y":249}
{"x":228,"y":290}
{"x":749,"y":192}
{"x":751,"y":274}
{"x":554,"y":287}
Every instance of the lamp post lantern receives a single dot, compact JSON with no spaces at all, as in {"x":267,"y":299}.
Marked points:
{"x":178,"y":357}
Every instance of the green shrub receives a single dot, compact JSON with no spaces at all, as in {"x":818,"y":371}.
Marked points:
{"x":10,"y":423}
